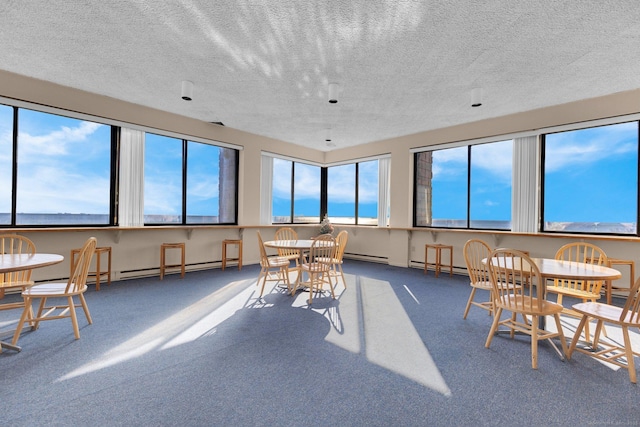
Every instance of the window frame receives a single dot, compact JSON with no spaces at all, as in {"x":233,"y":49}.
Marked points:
{"x":114,"y":178}
{"x":542,"y":193}
{"x":467,"y":172}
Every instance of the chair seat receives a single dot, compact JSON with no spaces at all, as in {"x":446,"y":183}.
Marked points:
{"x":608,"y":313}
{"x":576,"y":293}
{"x":329,"y":260}
{"x":316,"y":267}
{"x":481,"y":285}
{"x":278,"y":261}
{"x":530,"y":305}
{"x":51,"y":290}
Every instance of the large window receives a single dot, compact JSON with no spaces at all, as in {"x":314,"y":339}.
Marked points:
{"x":341,"y":194}
{"x":282,"y":191}
{"x":490,"y":185}
{"x":162,"y":179}
{"x":352,"y":193}
{"x":306,"y":193}
{"x":211,"y":184}
{"x":368,"y":192}
{"x":591,"y":180}
{"x":464,"y":187}
{"x":204,"y":187}
{"x":6,"y":161}
{"x":296,"y":192}
{"x":64,"y":170}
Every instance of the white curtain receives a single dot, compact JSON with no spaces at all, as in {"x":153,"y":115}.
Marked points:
{"x":266,"y":190}
{"x":384,"y":168}
{"x":525,"y":184}
{"x":131,"y":189}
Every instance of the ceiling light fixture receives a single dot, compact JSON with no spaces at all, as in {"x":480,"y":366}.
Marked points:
{"x":187,"y":90}
{"x":333,"y":93}
{"x":476,"y":97}
{"x":328,"y":138}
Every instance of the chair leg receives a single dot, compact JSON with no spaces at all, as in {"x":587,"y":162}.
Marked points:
{"x":285,"y":272}
{"x":576,"y":337}
{"x":596,"y":335}
{"x":264,"y":282}
{"x":312,"y":280}
{"x":41,"y":307}
{"x":534,"y":342}
{"x":333,"y":294}
{"x":563,"y":340}
{"x":25,"y":312}
{"x":494,"y":327}
{"x":85,"y":307}
{"x":587,"y":334}
{"x":466,"y":309}
{"x":629,"y":354}
{"x":74,"y":319}
{"x":344,"y":282}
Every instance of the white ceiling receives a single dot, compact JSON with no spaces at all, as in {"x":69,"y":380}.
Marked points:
{"x":264,"y":66}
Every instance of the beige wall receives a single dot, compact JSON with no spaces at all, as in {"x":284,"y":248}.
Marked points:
{"x":136,"y":252}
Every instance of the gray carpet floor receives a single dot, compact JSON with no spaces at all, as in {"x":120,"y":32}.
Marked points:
{"x":391,"y":350}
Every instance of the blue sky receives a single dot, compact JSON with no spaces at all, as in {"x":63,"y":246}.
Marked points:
{"x":341,"y":189}
{"x":591,"y":176}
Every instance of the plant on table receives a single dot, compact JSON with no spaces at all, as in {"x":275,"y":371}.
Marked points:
{"x":325,"y":226}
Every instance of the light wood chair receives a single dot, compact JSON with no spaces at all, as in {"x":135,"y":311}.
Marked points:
{"x":475,"y":250}
{"x":272,"y":268}
{"x":11,"y":244}
{"x":318,"y":266}
{"x":336,"y":262}
{"x":288,"y":233}
{"x":74,"y":287}
{"x":624,"y":317}
{"x":584,"y":290}
{"x":509,"y":269}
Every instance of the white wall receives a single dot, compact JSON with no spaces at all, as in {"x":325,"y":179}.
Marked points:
{"x":138,"y":250}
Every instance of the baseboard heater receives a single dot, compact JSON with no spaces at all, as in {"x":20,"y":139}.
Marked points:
{"x":444,"y":269}
{"x":155,"y":271}
{"x":370,"y":258}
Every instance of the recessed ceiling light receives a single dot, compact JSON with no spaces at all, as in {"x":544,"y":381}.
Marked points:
{"x":333,"y":93}
{"x":187,"y":90}
{"x":476,"y":97}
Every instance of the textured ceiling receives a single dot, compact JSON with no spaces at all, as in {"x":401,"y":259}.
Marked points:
{"x":264,"y":66}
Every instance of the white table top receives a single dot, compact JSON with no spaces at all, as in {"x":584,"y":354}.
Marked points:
{"x":558,"y":269}
{"x":18,"y":262}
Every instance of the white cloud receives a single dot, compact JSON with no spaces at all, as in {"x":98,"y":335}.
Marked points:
{"x":64,"y":171}
{"x":58,"y":142}
{"x":582,"y":147}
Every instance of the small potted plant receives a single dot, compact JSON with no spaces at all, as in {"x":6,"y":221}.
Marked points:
{"x":325,"y":226}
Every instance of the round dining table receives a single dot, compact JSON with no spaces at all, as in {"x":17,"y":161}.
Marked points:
{"x":560,"y":269}
{"x":18,"y":262}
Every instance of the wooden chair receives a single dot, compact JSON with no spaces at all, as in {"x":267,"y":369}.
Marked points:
{"x":336,"y":262}
{"x":510,"y":268}
{"x":584,"y":290}
{"x":624,"y":317}
{"x":273,"y":268}
{"x":318,"y":266}
{"x":13,"y":244}
{"x":475,"y":250}
{"x":74,"y":287}
{"x":288,"y":233}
